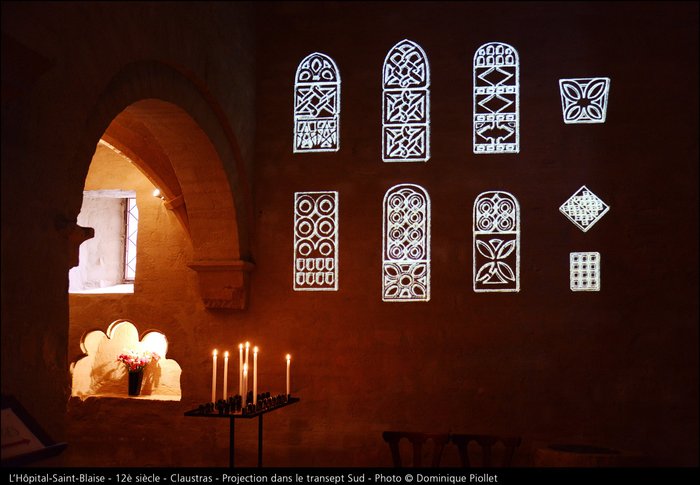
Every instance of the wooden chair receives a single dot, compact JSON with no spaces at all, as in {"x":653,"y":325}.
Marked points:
{"x":417,"y":440}
{"x":486,"y":444}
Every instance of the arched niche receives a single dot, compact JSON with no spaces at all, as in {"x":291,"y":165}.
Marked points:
{"x":99,"y":373}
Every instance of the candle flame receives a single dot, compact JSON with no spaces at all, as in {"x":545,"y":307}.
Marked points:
{"x":215,"y":352}
{"x":240,"y":346}
{"x":226,"y":354}
{"x":247,"y":345}
{"x":255,"y":350}
{"x":289,"y":357}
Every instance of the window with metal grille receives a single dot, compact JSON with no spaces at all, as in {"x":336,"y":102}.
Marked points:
{"x":131,"y":231}
{"x":107,"y":262}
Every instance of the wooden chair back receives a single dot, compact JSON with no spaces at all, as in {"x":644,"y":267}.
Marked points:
{"x":486,"y":444}
{"x":417,"y":440}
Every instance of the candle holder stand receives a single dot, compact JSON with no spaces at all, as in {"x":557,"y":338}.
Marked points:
{"x":233,"y":409}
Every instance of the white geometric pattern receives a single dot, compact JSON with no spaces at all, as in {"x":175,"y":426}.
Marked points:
{"x":406,"y":244}
{"x":316,"y":105}
{"x":584,"y":208}
{"x":584,"y":100}
{"x":496,"y":235}
{"x":406,"y":104}
{"x":584,"y":271}
{"x":316,"y":241}
{"x":496,"y":99}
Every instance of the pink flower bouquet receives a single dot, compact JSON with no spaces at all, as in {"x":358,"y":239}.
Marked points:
{"x":136,"y":361}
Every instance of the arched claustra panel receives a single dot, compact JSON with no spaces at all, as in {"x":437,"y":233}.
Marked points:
{"x":406,"y":104}
{"x":406,"y":244}
{"x":496,"y":109}
{"x":317,"y":105}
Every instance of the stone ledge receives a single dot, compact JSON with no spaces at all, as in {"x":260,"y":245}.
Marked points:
{"x":223,"y":285}
{"x":142,"y":397}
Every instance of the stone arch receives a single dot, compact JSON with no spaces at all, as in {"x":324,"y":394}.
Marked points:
{"x":180,"y":138}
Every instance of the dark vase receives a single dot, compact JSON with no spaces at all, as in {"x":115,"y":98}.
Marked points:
{"x":135,"y":379}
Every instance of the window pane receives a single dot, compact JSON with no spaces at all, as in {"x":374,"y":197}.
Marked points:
{"x":132,"y":225}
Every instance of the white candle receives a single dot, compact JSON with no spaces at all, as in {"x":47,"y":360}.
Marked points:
{"x":255,"y":375}
{"x":240,"y":369}
{"x":289,"y":363}
{"x":225,"y":375}
{"x":245,"y":362}
{"x":213,"y":375}
{"x":245,"y":384}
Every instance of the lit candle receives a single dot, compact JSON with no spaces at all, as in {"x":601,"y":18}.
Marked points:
{"x":213,"y":375}
{"x":245,"y":362}
{"x":225,"y":375}
{"x":255,"y":375}
{"x":245,"y":385}
{"x":289,"y":363}
{"x":240,"y":369}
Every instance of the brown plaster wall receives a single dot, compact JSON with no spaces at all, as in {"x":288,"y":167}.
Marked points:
{"x":164,"y":299}
{"x":617,"y":368}
{"x":61,"y":59}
